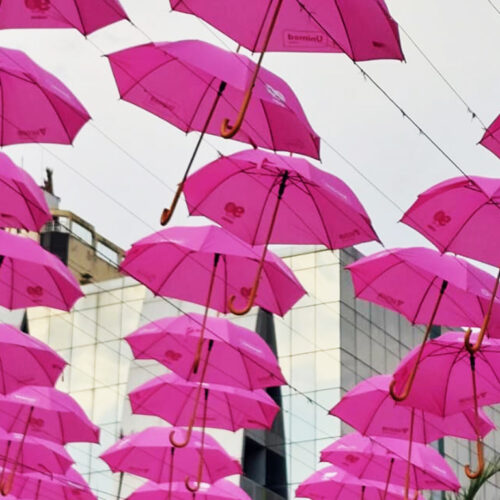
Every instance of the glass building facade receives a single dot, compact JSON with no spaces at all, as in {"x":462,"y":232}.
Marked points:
{"x":326,"y":344}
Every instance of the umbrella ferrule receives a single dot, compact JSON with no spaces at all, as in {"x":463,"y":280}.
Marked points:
{"x":283,"y":184}
{"x":444,"y":285}
{"x":222,"y":87}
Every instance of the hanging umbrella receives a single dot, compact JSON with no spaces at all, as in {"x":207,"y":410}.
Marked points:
{"x":265,"y":198}
{"x":193,"y":85}
{"x":36,"y":486}
{"x":238,"y":357}
{"x":382,"y":416}
{"x":465,"y":380}
{"x":30,"y":276}
{"x":457,"y":216}
{"x":220,"y":490}
{"x":150,"y":455}
{"x":426,"y":288}
{"x":334,"y":483}
{"x":383,"y":459}
{"x":84,"y":15}
{"x":22,"y":204}
{"x":362,"y":29}
{"x":37,"y":107}
{"x":491,"y":138}
{"x":206,"y":265}
{"x":25,"y":360}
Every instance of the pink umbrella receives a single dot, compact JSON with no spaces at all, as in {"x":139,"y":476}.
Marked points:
{"x":382,"y":416}
{"x":25,"y":360}
{"x":238,"y":357}
{"x":491,"y":138}
{"x":363,"y":29}
{"x":220,"y":490}
{"x":457,"y":216}
{"x":265,"y":198}
{"x":30,"y":276}
{"x":193,"y":85}
{"x":149,"y":454}
{"x":86,"y":16}
{"x":22,"y":203}
{"x":384,"y":459}
{"x":36,"y":486}
{"x":334,"y":483}
{"x":426,"y":287}
{"x":465,"y":380}
{"x":37,"y":107}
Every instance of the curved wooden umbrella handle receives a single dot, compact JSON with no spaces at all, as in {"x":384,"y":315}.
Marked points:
{"x":251,"y":296}
{"x":167,"y":213}
{"x":182,"y":444}
{"x":480,"y":462}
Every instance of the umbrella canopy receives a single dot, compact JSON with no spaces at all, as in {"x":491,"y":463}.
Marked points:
{"x":86,"y":16}
{"x":334,"y":483}
{"x":37,"y":107}
{"x":491,"y":138}
{"x":25,"y":360}
{"x":378,"y":459}
{"x":410,"y":281}
{"x":35,"y":486}
{"x":23,"y":204}
{"x":382,"y":416}
{"x":238,"y":357}
{"x":362,"y":29}
{"x":46,"y":413}
{"x":240,"y":192}
{"x":220,"y":490}
{"x":180,"y":81}
{"x":150,"y":455}
{"x":172,"y":398}
{"x":180,"y":262}
{"x":30,"y":276}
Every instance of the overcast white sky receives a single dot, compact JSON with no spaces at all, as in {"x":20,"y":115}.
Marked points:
{"x":461,"y":37}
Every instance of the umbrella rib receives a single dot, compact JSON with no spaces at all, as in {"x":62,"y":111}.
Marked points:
{"x":262,"y":102}
{"x":448,"y":379}
{"x":487,"y":361}
{"x":204,"y":93}
{"x":271,"y":285}
{"x":422,"y":299}
{"x":266,"y":200}
{"x":169,"y":274}
{"x":261,"y":27}
{"x":230,"y":411}
{"x":27,"y":201}
{"x":63,"y":297}
{"x":353,"y":57}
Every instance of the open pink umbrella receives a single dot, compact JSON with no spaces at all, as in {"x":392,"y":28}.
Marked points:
{"x":22,"y":202}
{"x":464,"y":380}
{"x":220,"y":490}
{"x":31,"y":276}
{"x":193,"y":85}
{"x":25,"y":360}
{"x":457,"y":215}
{"x":36,"y":486}
{"x":150,"y":455}
{"x":491,"y":138}
{"x":382,"y":416}
{"x":238,"y":357}
{"x":426,"y":287}
{"x":266,"y":198}
{"x":384,"y":459}
{"x":362,"y":29}
{"x":334,"y":483}
{"x":86,"y":16}
{"x":36,"y":106}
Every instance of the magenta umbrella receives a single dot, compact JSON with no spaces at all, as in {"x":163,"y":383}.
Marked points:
{"x":465,"y":380}
{"x":491,"y":138}
{"x":150,"y":455}
{"x":238,"y":357}
{"x":86,"y":16}
{"x":426,"y":287}
{"x":193,"y":85}
{"x":383,"y":459}
{"x":363,"y":29}
{"x":457,"y":216}
{"x":31,"y":276}
{"x":334,"y":483}
{"x":25,"y":360}
{"x":37,"y":107}
{"x":220,"y":490}
{"x":36,"y":486}
{"x":23,"y":204}
{"x":266,"y":198}
{"x":382,"y":416}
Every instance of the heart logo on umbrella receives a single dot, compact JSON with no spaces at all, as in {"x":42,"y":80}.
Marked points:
{"x":37,"y":5}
